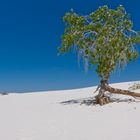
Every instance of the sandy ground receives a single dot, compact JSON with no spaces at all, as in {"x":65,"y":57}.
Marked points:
{"x":59,"y":115}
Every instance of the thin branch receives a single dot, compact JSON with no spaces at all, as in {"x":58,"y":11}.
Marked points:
{"x":97,"y":88}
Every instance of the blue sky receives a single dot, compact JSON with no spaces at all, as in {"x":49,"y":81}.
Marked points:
{"x":30,"y":33}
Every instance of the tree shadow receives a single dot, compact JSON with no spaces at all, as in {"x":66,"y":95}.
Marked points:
{"x":92,"y":101}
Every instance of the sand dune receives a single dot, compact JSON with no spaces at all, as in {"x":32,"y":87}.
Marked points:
{"x":61,"y":115}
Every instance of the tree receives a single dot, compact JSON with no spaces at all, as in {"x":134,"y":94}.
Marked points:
{"x":106,"y":39}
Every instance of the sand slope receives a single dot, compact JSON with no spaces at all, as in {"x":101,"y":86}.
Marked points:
{"x":59,"y":115}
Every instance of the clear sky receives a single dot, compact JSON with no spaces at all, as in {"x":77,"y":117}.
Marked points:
{"x":30,"y":32}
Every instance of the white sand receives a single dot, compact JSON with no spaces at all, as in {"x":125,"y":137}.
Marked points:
{"x":58,"y":115}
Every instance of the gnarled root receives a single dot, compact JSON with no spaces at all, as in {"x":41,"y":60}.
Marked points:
{"x":102,"y":100}
{"x":120,"y":91}
{"x":103,"y":87}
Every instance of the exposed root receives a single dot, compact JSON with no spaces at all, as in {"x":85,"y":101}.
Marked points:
{"x":103,"y":100}
{"x":120,"y":91}
{"x":103,"y":87}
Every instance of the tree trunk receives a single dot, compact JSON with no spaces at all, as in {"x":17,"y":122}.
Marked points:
{"x":102,"y":99}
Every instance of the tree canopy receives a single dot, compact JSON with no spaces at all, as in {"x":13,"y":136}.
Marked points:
{"x":105,"y":38}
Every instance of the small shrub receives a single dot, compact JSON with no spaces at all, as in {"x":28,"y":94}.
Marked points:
{"x":135,"y":86}
{"x":4,"y":93}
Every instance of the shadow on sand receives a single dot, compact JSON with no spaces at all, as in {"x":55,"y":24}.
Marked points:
{"x":92,"y":101}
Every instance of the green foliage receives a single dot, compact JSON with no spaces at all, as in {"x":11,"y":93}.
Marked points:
{"x":105,"y":37}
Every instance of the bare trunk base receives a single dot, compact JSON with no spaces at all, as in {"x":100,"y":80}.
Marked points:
{"x":102,"y":99}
